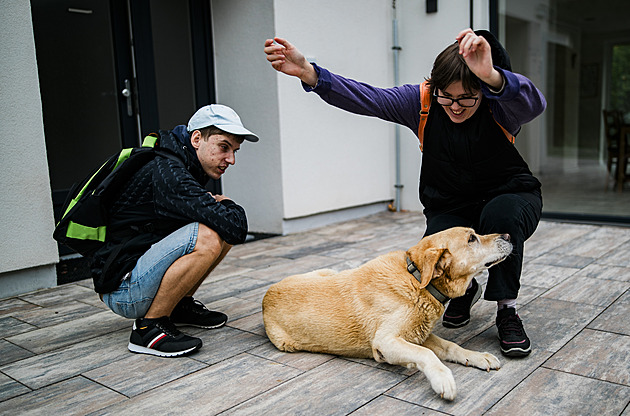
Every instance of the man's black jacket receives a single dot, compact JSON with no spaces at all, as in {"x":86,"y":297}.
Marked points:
{"x":164,"y":195}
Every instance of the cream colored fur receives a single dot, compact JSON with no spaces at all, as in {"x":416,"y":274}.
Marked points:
{"x":381,"y":311}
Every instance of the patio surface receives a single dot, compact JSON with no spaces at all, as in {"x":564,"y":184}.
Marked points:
{"x":62,"y":352}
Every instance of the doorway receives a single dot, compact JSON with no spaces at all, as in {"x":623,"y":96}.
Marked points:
{"x":113,"y":71}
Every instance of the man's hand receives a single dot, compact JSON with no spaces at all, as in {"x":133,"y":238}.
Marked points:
{"x":478,"y":56}
{"x":286,"y":58}
{"x":219,"y":198}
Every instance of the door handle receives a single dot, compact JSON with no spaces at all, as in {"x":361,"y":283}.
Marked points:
{"x":126,"y":92}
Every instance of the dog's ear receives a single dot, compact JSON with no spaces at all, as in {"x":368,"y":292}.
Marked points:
{"x":432,"y":264}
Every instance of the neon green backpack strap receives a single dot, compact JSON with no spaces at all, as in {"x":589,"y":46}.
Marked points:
{"x":150,"y":140}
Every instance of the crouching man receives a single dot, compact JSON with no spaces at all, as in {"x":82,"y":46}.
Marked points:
{"x":167,"y":233}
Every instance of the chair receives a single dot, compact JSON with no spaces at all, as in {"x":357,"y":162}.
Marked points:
{"x":617,"y":132}
{"x":612,"y":131}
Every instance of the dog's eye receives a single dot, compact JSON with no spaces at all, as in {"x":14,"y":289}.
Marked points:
{"x":472,"y":239}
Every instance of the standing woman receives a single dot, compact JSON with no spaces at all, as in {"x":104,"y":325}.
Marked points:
{"x":472,"y":174}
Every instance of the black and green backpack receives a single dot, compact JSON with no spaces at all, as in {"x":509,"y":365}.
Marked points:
{"x":83,"y":225}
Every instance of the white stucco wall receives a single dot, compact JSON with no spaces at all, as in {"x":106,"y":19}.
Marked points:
{"x":313,"y":158}
{"x":245,"y":83}
{"x":27,"y":251}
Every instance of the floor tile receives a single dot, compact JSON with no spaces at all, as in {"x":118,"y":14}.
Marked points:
{"x":549,"y":236}
{"x":587,"y":290}
{"x":544,"y":275}
{"x":618,"y":257}
{"x":384,"y":405}
{"x":48,"y":368}
{"x":225,"y":385}
{"x":615,"y":317}
{"x":595,"y":354}
{"x":229,"y":287}
{"x":278,"y":272}
{"x":59,"y":294}
{"x":142,"y":372}
{"x":300,"y":360}
{"x":67,"y":333}
{"x":76,"y":396}
{"x":343,"y":386}
{"x":548,"y":392}
{"x":550,"y":323}
{"x":252,"y":323}
{"x":10,"y":388}
{"x":235,"y":308}
{"x":11,"y":305}
{"x":10,"y":326}
{"x":223,"y":343}
{"x":477,"y":390}
{"x":554,"y":259}
{"x":597,"y":243}
{"x":56,"y":314}
{"x":11,"y":352}
{"x":605,"y":272}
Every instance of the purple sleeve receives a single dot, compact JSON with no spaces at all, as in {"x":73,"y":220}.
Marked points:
{"x":398,"y":104}
{"x":519,"y":102}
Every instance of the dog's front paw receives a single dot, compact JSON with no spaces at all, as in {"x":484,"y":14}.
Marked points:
{"x":483,"y":360}
{"x":442,"y":381}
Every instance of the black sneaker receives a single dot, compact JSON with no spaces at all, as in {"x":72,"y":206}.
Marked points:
{"x":512,"y":337}
{"x":160,"y":337}
{"x":458,"y":311}
{"x":191,"y":312}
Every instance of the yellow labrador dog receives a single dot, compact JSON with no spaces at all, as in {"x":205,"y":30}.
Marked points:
{"x":386,"y":308}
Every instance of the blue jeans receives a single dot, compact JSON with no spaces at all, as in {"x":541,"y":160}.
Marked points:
{"x":135,"y":294}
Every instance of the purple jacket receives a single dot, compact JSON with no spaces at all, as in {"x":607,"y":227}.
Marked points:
{"x":518,"y":103}
{"x":463,"y":163}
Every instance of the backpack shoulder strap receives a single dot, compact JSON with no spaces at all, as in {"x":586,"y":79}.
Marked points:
{"x":509,"y":135}
{"x":425,"y":106}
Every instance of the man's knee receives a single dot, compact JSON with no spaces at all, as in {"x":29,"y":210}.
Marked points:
{"x":209,"y":242}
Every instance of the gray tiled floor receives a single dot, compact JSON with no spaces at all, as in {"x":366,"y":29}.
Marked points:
{"x":62,"y":352}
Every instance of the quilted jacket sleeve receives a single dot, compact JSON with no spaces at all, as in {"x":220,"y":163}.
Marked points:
{"x":178,"y":195}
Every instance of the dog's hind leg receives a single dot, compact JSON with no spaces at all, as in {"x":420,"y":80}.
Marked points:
{"x":397,"y":351}
{"x":449,"y":351}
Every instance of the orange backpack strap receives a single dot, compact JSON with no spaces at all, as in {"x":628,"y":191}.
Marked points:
{"x":509,"y":135}
{"x":425,"y":105}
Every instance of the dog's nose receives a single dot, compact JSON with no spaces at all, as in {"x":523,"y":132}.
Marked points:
{"x":506,"y":237}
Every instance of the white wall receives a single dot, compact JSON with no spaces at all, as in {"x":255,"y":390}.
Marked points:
{"x":27,"y":251}
{"x":245,"y":83}
{"x":332,"y":159}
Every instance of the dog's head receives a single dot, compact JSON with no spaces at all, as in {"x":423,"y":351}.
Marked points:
{"x":454,"y":256}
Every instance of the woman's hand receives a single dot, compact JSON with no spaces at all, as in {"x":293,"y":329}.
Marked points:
{"x":286,"y":58}
{"x":478,"y":56}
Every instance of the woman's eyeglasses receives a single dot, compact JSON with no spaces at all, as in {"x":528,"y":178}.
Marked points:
{"x":463,"y":102}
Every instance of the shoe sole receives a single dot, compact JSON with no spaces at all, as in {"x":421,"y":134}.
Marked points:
{"x":179,"y":324}
{"x":139,"y":349}
{"x":516,"y":352}
{"x":476,"y":298}
{"x":451,"y":325}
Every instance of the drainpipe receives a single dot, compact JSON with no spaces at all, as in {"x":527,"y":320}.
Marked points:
{"x":396,"y":48}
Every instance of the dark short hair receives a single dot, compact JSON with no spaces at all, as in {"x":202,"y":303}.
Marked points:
{"x":206,"y":132}
{"x":450,"y":67}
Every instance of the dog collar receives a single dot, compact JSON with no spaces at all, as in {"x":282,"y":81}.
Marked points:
{"x":413,"y":269}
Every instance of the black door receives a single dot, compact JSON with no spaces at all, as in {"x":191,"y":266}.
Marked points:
{"x":112,"y":71}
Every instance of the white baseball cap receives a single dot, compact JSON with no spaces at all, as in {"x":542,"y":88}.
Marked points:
{"x":222,"y":117}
